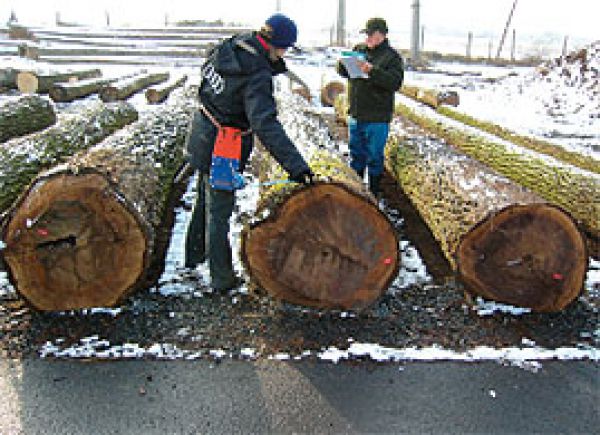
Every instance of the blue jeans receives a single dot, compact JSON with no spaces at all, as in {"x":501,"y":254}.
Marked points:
{"x":208,"y":233}
{"x":367,"y":142}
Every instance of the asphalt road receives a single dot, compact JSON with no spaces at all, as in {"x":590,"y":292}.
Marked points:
{"x":146,"y":397}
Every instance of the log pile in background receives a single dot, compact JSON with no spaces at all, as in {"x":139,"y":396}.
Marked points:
{"x":21,"y":159}
{"x":158,"y":94}
{"x":30,"y":82}
{"x":25,"y":115}
{"x":123,"y":89}
{"x":330,"y":91}
{"x":506,"y":242}
{"x":575,"y":190}
{"x":66,"y":92}
{"x":84,"y":233}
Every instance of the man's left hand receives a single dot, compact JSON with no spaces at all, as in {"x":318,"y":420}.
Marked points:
{"x":365,"y":67}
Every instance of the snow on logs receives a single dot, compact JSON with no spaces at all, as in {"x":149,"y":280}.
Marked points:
{"x":85,"y":232}
{"x":30,"y":82}
{"x":25,"y":115}
{"x":158,"y":94}
{"x":21,"y":159}
{"x":123,"y":89}
{"x":330,"y":91}
{"x":506,"y":242}
{"x":326,"y":245}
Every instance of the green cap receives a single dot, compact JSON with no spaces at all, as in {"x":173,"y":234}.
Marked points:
{"x":374,"y":25}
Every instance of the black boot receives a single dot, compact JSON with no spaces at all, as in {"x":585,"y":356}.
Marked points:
{"x":374,"y":181}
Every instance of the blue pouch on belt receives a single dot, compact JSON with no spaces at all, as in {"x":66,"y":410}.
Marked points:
{"x":226,"y":156}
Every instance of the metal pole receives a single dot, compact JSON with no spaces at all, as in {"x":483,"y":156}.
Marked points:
{"x":278,"y":6}
{"x":469,"y":44}
{"x":513,"y":46}
{"x":506,"y":29}
{"x":564,"y":49}
{"x":414,"y":46}
{"x":341,"y":23}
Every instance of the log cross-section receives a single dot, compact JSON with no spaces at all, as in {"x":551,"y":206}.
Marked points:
{"x":325,"y":246}
{"x":75,"y":249}
{"x":527,"y":255}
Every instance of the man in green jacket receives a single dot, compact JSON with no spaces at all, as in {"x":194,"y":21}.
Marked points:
{"x":371,"y":100}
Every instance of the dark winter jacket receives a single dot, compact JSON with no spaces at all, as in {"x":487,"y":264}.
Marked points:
{"x":237,"y":89}
{"x":372,"y":99}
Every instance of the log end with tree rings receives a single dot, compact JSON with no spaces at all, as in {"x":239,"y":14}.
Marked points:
{"x":71,"y":243}
{"x":330,"y":91}
{"x":325,"y":246}
{"x":526,"y":255}
{"x":27,"y":82}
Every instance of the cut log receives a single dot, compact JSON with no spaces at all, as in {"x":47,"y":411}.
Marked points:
{"x":431,"y":97}
{"x":330,"y":91}
{"x":84,"y":233}
{"x":21,"y":159}
{"x":30,"y":82}
{"x":66,"y":92}
{"x":158,"y":94}
{"x":573,"y":189}
{"x":25,"y":115}
{"x":506,"y":242}
{"x":125,"y":88}
{"x":587,"y":162}
{"x":327,"y":245}
{"x":8,"y":78}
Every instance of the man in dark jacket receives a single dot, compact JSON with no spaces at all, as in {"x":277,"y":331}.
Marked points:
{"x":237,"y":91}
{"x":371,"y":100}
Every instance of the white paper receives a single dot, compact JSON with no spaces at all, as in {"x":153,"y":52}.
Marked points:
{"x":354,"y":71}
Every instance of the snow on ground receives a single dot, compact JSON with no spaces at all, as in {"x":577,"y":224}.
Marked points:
{"x":558,"y":101}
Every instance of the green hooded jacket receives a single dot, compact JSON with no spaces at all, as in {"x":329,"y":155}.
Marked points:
{"x":372,"y":99}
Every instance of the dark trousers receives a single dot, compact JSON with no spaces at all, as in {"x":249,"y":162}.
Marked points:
{"x":208,"y":233}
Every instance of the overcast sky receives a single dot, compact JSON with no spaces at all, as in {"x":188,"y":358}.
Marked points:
{"x":575,"y":18}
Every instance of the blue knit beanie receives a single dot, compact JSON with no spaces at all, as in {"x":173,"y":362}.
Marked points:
{"x":283,"y":31}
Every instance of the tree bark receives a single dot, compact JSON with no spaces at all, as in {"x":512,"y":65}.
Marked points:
{"x":21,"y":159}
{"x":158,"y":94}
{"x":505,"y":241}
{"x":84,"y":234}
{"x":125,"y":88}
{"x":330,"y":91}
{"x":26,"y":115}
{"x":30,"y":82}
